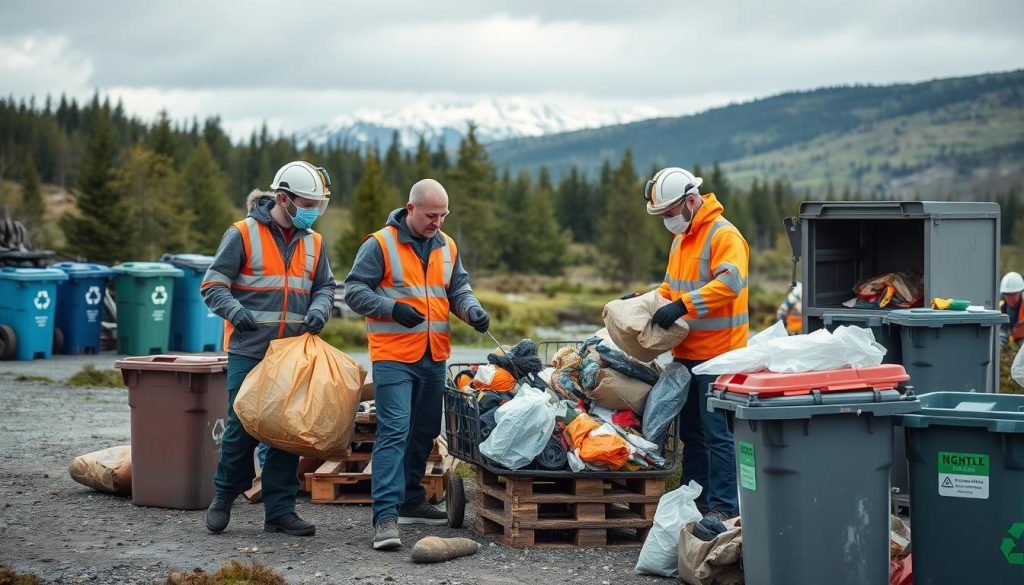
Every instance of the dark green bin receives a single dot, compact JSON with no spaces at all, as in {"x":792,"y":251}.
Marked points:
{"x":144,"y":292}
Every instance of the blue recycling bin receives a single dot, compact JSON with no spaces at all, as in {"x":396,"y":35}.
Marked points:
{"x":195,"y":328}
{"x":79,"y":315}
{"x":28,"y":298}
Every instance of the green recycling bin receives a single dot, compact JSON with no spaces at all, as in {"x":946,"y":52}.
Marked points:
{"x":144,"y":292}
{"x":966,"y":455}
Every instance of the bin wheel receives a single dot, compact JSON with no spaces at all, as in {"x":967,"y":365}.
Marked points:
{"x":455,"y":500}
{"x":58,"y":340}
{"x":8,"y":343}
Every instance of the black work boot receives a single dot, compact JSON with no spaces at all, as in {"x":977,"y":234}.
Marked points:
{"x":219,"y":513}
{"x":290,"y":523}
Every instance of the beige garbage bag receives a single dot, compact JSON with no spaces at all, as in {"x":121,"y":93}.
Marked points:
{"x":302,"y":397}
{"x":106,"y":470}
{"x":618,"y":391}
{"x":718,"y":562}
{"x":629,"y":326}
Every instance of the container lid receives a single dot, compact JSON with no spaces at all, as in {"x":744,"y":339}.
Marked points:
{"x":198,"y":261}
{"x":152,"y":269}
{"x":771,"y":385}
{"x":1000,"y":413}
{"x":30,"y":274}
{"x":83,"y":270}
{"x":873,"y":402}
{"x":923,"y":317}
{"x":195,"y":364}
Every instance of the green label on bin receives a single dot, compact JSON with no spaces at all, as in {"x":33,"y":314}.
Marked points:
{"x":748,"y":479}
{"x":963,"y":475}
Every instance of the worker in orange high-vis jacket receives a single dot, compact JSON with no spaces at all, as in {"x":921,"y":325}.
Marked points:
{"x":706,"y":280}
{"x":406,"y":279}
{"x":270,"y":279}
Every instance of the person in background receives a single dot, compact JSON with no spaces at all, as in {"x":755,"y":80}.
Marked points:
{"x":1012,"y":334}
{"x":790,"y":312}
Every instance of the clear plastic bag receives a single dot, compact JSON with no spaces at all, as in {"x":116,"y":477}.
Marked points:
{"x":752,"y":358}
{"x":524,"y":425}
{"x":1017,"y":369}
{"x":660,"y":553}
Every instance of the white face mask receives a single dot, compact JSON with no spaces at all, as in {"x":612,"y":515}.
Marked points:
{"x":677,"y":224}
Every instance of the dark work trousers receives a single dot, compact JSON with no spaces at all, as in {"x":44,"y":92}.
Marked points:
{"x":235,"y":470}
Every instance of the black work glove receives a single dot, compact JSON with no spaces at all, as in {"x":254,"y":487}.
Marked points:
{"x":479,"y":320}
{"x":406,"y":315}
{"x":667,"y":315}
{"x":244,"y":320}
{"x":314,"y":322}
{"x":628,"y":296}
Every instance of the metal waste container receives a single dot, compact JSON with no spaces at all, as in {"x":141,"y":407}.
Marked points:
{"x":813,"y":452}
{"x":178,"y":411}
{"x":79,"y":316}
{"x":194,"y":328}
{"x":144,"y":292}
{"x":28,"y":299}
{"x":966,"y":454}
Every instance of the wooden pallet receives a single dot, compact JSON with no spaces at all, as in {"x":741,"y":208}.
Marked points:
{"x":348,"y":481}
{"x":579,"y":512}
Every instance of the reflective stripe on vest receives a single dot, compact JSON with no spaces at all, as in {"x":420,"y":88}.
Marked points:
{"x":426,"y":289}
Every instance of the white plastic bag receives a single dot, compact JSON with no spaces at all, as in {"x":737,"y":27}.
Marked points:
{"x":1017,"y":369}
{"x":752,"y":358}
{"x":660,"y":553}
{"x":523,"y":427}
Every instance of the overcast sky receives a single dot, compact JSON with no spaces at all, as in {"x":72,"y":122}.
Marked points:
{"x":297,"y":64}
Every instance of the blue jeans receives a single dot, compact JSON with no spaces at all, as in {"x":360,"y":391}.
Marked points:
{"x":235,"y":469}
{"x":708,"y":454}
{"x":409,"y":398}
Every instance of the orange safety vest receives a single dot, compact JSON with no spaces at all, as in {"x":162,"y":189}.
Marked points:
{"x":265,"y":286}
{"x":406,"y":280}
{"x":707,"y":269}
{"x":1017,"y":326}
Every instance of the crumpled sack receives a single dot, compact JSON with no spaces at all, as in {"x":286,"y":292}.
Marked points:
{"x":1017,"y":368}
{"x":630,"y":327}
{"x":578,"y":429}
{"x":490,"y":377}
{"x":665,"y":401}
{"x":106,"y":470}
{"x":302,"y":398}
{"x":617,"y":360}
{"x":604,"y":447}
{"x":715,"y":562}
{"x":617,"y":391}
{"x":524,"y":425}
{"x":899,"y":290}
{"x":660,"y":553}
{"x":848,"y":346}
{"x":521,"y":359}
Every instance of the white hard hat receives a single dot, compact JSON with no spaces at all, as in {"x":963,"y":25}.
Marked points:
{"x":304,"y":180}
{"x":668,"y":187}
{"x":1012,"y":282}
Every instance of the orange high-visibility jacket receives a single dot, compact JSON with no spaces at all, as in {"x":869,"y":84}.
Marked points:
{"x":265,"y":286}
{"x":707,"y":269}
{"x":1016,"y":321}
{"x":406,"y":280}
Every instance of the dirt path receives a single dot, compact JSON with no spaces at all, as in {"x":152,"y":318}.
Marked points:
{"x":66,"y":533}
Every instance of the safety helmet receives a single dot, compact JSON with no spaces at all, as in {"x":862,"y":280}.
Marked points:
{"x":304,"y":180}
{"x":668,"y":187}
{"x":1012,"y":282}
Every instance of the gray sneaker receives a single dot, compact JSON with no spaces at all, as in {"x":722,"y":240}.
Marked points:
{"x":387,"y":536}
{"x":422,"y":513}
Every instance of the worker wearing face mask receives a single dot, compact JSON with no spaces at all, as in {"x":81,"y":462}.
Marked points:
{"x":706,"y":280}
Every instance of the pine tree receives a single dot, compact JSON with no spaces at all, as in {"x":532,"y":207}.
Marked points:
{"x":33,"y":208}
{"x":546,"y":243}
{"x":511,"y":241}
{"x":158,"y":220}
{"x":372,"y":202}
{"x":98,"y":232}
{"x":394,"y":174}
{"x":423,"y":168}
{"x":161,"y":138}
{"x":626,"y":237}
{"x":472,"y":189}
{"x":574,"y":206}
{"x":207,"y":197}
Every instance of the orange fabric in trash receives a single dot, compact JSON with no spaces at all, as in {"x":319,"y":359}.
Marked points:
{"x":608,"y":450}
{"x":503,"y":381}
{"x":463,"y":380}
{"x":578,"y":429}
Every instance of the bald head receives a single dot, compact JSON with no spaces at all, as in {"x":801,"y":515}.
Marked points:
{"x":427,"y":207}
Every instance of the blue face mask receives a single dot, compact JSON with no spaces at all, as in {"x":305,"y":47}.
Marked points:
{"x":304,"y":217}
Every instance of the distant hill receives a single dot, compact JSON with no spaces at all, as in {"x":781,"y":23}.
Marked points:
{"x":927,"y":139}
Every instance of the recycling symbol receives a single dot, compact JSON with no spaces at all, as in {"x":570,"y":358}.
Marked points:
{"x":1014,"y":558}
{"x":42,"y":300}
{"x":93,"y":296}
{"x":159,"y":295}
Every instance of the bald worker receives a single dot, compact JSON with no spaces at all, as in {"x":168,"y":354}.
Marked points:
{"x":407,"y":277}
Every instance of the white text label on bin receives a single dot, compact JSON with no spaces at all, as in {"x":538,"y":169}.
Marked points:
{"x":963,"y":475}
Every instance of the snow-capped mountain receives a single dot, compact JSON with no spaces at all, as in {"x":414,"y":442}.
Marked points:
{"x":447,"y":122}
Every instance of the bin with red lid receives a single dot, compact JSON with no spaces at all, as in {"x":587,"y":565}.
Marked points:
{"x":813,"y":452}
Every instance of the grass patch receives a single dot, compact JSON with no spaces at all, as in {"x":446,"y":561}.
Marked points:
{"x":31,"y":378}
{"x":465,"y":470}
{"x":231,"y":573}
{"x":10,"y":577}
{"x":89,"y":376}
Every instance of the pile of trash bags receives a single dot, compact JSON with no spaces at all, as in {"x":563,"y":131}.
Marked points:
{"x":591,"y":408}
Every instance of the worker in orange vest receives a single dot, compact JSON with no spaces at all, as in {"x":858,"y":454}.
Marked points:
{"x":270,"y":279}
{"x":1010,"y":288}
{"x":706,"y":280}
{"x":406,"y":279}
{"x":790,"y":312}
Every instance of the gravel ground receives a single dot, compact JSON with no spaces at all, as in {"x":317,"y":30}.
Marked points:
{"x":66,"y":533}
